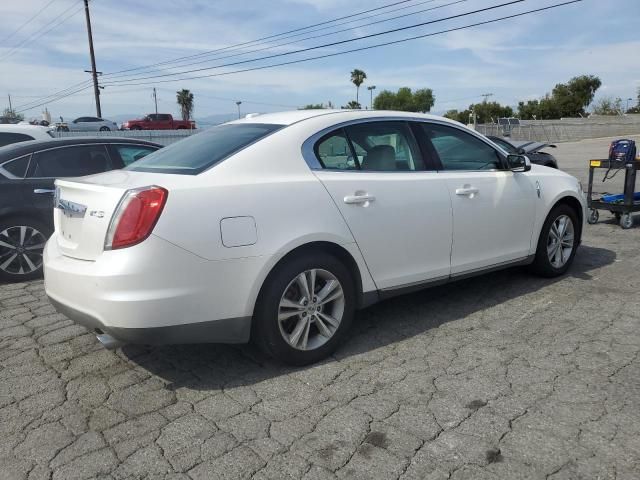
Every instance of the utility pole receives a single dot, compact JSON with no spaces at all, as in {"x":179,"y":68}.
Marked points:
{"x":155,"y":99}
{"x":486,"y":95}
{"x":371,"y":89}
{"x":11,"y":108}
{"x":238,"y":103}
{"x":94,"y":73}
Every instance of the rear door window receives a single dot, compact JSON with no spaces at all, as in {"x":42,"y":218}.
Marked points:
{"x":385,"y":146}
{"x":17,"y":167}
{"x":131,"y":153}
{"x":7,"y":138}
{"x":334,"y":153}
{"x":72,"y":161}
{"x":203,"y":150}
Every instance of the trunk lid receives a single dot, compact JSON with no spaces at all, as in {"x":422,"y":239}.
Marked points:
{"x":82,"y":215}
{"x":85,"y":206}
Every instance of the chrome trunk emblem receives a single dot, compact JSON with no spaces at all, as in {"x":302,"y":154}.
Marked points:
{"x":71,"y":209}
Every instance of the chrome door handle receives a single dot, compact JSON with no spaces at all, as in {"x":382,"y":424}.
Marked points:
{"x":358,"y":198}
{"x":466,"y":191}
{"x":44,"y":191}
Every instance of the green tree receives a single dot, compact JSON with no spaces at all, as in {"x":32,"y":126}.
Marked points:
{"x":357,"y":78}
{"x":185,"y":99}
{"x":569,"y":99}
{"x":608,"y":106}
{"x":489,"y":112}
{"x":405,"y":100}
{"x":352,"y":105}
{"x":316,"y":106}
{"x":13,"y":115}
{"x":636,"y":109}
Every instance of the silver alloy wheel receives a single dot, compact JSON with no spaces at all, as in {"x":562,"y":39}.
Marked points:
{"x":311,"y":309}
{"x":21,"y":248}
{"x":560,"y":241}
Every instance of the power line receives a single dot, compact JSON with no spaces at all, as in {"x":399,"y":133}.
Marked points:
{"x":282,"y":36}
{"x":331,"y":44}
{"x":32,"y":18}
{"x":262,"y":38}
{"x":36,"y":35}
{"x":315,"y":36}
{"x":62,"y":93}
{"x":394,"y":42}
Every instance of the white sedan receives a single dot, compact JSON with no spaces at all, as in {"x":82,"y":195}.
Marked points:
{"x":278,"y":227}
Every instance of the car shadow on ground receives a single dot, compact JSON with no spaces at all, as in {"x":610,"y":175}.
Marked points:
{"x":213,"y":367}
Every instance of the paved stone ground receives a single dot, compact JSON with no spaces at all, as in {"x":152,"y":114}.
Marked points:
{"x":502,"y":376}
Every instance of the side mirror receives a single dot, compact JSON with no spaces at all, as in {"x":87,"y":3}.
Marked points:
{"x":518,"y":163}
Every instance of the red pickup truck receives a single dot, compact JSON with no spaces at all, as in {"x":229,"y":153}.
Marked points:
{"x":158,"y":121}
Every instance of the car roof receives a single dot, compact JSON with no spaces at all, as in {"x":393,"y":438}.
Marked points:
{"x":295,"y":116}
{"x":33,"y":130}
{"x":23,"y":148}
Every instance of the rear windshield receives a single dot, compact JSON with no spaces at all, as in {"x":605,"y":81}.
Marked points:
{"x":203,"y":150}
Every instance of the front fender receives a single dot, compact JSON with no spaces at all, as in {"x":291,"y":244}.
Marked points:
{"x":555,"y":186}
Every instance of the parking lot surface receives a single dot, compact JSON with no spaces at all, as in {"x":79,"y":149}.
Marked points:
{"x":501,"y":376}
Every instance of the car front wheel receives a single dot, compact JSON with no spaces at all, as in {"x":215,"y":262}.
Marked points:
{"x":305,"y":309}
{"x":558,"y":242}
{"x":105,"y":129}
{"x":21,"y":247}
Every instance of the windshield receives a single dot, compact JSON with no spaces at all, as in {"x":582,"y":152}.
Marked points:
{"x":203,"y":150}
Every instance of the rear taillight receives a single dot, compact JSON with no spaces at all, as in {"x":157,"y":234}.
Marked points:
{"x":135,"y":217}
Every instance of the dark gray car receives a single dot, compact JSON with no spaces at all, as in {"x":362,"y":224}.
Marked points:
{"x":528,"y":148}
{"x":27,"y":174}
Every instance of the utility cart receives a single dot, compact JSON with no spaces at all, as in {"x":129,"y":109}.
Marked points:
{"x":621,"y":205}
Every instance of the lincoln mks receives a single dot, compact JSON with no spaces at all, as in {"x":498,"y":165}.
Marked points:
{"x":277,"y":228}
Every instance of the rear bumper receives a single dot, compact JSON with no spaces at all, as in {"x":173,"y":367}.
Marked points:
{"x":228,"y":330}
{"x":155,"y":293}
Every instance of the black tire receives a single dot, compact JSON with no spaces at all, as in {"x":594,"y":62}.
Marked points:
{"x":542,"y":265}
{"x":105,"y":129}
{"x":136,"y":127}
{"x":266,"y":329}
{"x":11,"y":272}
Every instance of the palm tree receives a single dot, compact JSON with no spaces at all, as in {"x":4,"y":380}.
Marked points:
{"x":185,"y":100}
{"x":357,"y":78}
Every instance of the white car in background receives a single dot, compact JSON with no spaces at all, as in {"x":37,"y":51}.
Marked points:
{"x":278,"y":227}
{"x":14,"y":133}
{"x":89,"y":124}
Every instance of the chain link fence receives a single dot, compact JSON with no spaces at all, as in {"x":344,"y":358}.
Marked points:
{"x":163,"y":137}
{"x":561,"y":131}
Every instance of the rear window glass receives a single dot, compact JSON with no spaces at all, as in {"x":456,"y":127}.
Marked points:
{"x":203,"y":150}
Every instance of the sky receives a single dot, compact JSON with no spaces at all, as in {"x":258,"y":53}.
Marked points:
{"x":516,"y":59}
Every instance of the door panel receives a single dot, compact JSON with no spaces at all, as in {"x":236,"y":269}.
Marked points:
{"x":493,"y":215}
{"x":493,"y":208}
{"x":403,"y":229}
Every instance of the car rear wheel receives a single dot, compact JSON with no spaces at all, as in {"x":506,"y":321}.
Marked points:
{"x":21,"y":247}
{"x":558,"y":242}
{"x":305,"y":309}
{"x":105,"y":129}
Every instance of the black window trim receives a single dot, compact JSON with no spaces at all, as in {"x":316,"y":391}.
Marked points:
{"x":27,"y":177}
{"x":308,"y":146}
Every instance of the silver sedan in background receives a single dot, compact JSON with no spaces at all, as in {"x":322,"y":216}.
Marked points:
{"x":90,"y":124}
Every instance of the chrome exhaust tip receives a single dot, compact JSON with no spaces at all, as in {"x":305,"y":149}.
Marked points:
{"x":108,"y":341}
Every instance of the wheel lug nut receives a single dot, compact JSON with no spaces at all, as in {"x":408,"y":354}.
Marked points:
{"x":304,"y":314}
{"x":306,"y":303}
